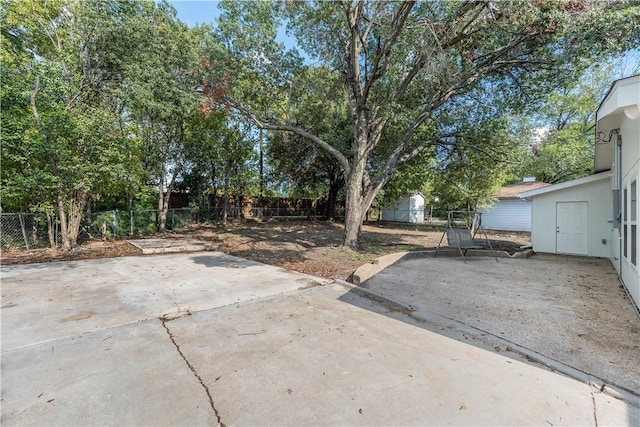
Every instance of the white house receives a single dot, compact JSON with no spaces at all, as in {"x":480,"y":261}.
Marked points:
{"x":509,"y":212}
{"x":409,"y":208}
{"x":597,"y":215}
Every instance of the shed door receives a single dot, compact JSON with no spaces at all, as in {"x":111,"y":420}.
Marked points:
{"x":571,"y":228}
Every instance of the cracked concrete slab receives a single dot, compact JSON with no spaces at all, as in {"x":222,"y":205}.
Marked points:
{"x":192,"y":368}
{"x":202,"y":339}
{"x":326,"y":357}
{"x":68,"y":298}
{"x":127,"y":375}
{"x":609,"y":411}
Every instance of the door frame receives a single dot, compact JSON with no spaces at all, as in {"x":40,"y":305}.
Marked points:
{"x":586,"y":226}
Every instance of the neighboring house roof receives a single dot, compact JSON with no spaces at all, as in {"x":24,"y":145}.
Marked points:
{"x":512,"y":191}
{"x":564,"y":185}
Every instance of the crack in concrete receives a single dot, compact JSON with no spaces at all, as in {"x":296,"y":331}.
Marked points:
{"x":193,"y":370}
{"x":595,"y":415}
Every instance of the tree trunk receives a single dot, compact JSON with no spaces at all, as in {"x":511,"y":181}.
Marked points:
{"x":162,"y":213}
{"x":50,"y":231}
{"x":332,"y":196}
{"x":354,"y":209}
{"x":164,"y":207}
{"x":76,"y":208}
{"x":64,"y":235}
{"x":162,"y":220}
{"x":70,"y":221}
{"x":225,"y":204}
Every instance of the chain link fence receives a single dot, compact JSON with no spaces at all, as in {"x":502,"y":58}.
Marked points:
{"x":426,"y":215}
{"x":26,"y":230}
{"x":32,"y":230}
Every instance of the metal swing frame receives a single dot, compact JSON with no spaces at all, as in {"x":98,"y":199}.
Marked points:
{"x":464,"y":237}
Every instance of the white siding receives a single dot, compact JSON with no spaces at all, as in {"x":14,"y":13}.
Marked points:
{"x":624,"y":93}
{"x":630,"y":129}
{"x":597,"y":194}
{"x":508,"y":215}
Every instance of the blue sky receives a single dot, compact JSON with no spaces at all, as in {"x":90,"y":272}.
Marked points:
{"x":194,"y":12}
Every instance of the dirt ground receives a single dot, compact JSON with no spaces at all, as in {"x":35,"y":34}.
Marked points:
{"x":311,"y":247}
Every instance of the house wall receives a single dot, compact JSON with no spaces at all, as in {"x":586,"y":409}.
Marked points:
{"x":544,"y":213}
{"x":629,"y":273}
{"x":508,"y":215}
{"x":630,"y":130}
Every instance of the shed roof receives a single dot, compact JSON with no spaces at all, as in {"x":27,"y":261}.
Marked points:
{"x":512,"y":191}
{"x":564,"y":185}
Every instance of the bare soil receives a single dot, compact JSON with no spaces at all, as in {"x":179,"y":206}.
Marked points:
{"x":311,"y":247}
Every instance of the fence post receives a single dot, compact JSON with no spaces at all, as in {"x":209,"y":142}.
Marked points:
{"x":114,"y":222}
{"x":131,"y":223}
{"x":24,"y":232}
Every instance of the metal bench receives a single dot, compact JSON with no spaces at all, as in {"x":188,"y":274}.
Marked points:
{"x":462,"y":237}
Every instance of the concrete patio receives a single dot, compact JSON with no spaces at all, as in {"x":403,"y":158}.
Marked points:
{"x":206,"y":339}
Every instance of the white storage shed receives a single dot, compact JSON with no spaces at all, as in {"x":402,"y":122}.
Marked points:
{"x":571,"y":217}
{"x":408,"y":209}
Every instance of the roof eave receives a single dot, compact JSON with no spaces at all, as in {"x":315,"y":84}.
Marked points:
{"x":564,"y":185}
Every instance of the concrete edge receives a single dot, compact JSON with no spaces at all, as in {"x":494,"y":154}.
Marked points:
{"x":179,"y":246}
{"x":367,"y":271}
{"x":423,"y":316}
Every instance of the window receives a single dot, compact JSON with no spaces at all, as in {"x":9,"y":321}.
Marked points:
{"x":630,"y":223}
{"x":617,"y":184}
{"x":625,"y":236}
{"x":633,"y":202}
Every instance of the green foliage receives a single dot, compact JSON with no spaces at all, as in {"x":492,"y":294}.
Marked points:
{"x":474,"y":166}
{"x":558,"y":138}
{"x":417,"y":174}
{"x":64,"y":143}
{"x":219,"y":146}
{"x":295,"y":159}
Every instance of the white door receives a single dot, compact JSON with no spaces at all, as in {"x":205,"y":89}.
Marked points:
{"x":571,"y":228}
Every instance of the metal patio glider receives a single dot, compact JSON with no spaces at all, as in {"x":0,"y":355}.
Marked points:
{"x":461,"y":231}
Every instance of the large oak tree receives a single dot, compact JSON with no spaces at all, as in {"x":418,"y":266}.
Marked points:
{"x":402,"y":64}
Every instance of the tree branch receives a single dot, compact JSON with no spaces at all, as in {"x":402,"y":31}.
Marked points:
{"x":32,"y":99}
{"x":424,"y":55}
{"x":344,"y":162}
{"x":398,"y":24}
